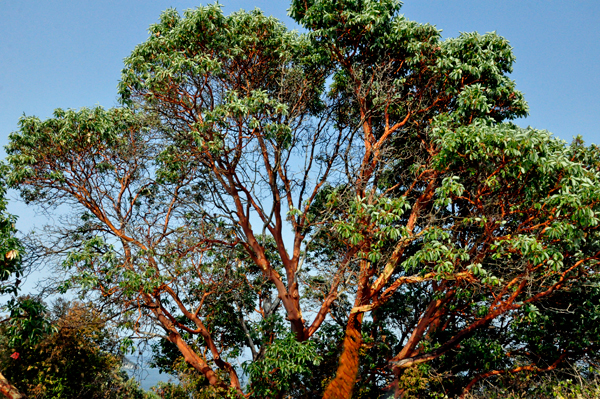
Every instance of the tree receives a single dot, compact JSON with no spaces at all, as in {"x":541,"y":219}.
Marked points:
{"x":76,"y":355}
{"x":259,"y":183}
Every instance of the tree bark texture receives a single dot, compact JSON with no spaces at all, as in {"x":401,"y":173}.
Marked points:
{"x":342,"y":385}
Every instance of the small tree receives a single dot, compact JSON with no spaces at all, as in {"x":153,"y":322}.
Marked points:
{"x":76,"y":356}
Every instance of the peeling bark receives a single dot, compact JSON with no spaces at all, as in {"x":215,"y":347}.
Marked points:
{"x":8,"y":390}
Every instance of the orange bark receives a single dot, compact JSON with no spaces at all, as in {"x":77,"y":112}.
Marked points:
{"x":8,"y":390}
{"x":513,"y":371}
{"x":190,"y":356}
{"x":195,"y":361}
{"x":345,"y":378}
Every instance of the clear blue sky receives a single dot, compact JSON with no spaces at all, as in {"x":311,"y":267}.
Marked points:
{"x":68,"y":54}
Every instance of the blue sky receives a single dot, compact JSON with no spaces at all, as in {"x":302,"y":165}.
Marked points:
{"x":68,"y":54}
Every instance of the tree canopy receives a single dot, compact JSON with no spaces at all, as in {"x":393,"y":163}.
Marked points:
{"x":340,"y":210}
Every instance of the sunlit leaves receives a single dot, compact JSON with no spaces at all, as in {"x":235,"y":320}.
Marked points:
{"x":27,"y":323}
{"x":11,"y":249}
{"x":284,"y":360}
{"x":88,"y":139}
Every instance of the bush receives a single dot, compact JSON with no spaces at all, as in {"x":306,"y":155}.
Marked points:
{"x":77,"y":357}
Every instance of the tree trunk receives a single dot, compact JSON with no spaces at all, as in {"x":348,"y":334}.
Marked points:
{"x":8,"y":390}
{"x":342,"y":385}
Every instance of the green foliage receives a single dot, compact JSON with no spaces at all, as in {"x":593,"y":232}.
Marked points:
{"x":27,"y":322}
{"x":574,"y":385}
{"x":72,"y":356}
{"x":190,"y":384}
{"x":11,"y":249}
{"x":91,"y":138}
{"x":284,"y":362}
{"x":206,"y":50}
{"x":416,"y":73}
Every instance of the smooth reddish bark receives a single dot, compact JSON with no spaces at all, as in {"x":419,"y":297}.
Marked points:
{"x":513,"y":371}
{"x":345,"y":378}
